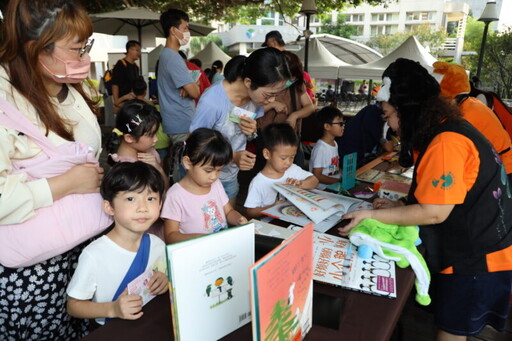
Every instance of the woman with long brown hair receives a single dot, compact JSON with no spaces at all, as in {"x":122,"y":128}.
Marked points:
{"x":43,"y":62}
{"x":459,"y":197}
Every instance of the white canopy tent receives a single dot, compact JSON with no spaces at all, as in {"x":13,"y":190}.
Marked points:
{"x":321,"y":62}
{"x":346,"y":50}
{"x":410,"y":49}
{"x":211,"y":53}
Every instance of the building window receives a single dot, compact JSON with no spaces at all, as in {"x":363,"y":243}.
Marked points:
{"x":355,"y":17}
{"x":384,"y":16}
{"x":376,"y":30}
{"x":360,"y":30}
{"x":417,"y":16}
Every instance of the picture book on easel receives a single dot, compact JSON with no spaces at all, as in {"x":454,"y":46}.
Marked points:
{"x":209,"y":283}
{"x":282,"y":290}
{"x":336,"y":262}
{"x":322,"y":208}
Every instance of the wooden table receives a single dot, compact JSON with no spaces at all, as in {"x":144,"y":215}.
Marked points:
{"x":339,"y":314}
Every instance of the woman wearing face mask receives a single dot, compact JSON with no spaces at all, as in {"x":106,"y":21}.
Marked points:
{"x":250,"y":83}
{"x":43,"y":61}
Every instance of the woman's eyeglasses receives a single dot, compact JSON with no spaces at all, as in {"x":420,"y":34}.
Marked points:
{"x":86,"y":49}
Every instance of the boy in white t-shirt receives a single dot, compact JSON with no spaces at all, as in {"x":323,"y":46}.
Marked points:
{"x":280,"y":145}
{"x":132,"y":193}
{"x":325,"y":162}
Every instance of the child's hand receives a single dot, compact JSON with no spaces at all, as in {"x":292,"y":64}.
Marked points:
{"x":294,"y":182}
{"x":147,"y":158}
{"x":279,"y":202}
{"x":280,"y":107}
{"x":158,"y":283}
{"x":244,"y":159}
{"x":128,"y":307}
{"x":242,"y":220}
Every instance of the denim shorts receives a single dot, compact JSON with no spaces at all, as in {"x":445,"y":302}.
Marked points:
{"x":465,"y":304}
{"x":231,"y":188}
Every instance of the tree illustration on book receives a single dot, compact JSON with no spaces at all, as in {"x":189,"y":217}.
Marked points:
{"x":223,"y":292}
{"x":282,"y":323}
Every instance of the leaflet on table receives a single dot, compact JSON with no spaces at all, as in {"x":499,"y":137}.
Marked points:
{"x":237,"y":112}
{"x":290,"y":213}
{"x":336,"y":262}
{"x":140,"y":285}
{"x":210,"y":291}
{"x":374,"y":176}
{"x":316,"y":199}
{"x":282,"y":290}
{"x":195,"y":74}
{"x":271,"y":230}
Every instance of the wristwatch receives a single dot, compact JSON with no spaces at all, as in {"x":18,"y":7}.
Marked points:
{"x":253,"y":136}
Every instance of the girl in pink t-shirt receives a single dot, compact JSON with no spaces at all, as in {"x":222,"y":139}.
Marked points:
{"x":134,"y":137}
{"x":198,"y":203}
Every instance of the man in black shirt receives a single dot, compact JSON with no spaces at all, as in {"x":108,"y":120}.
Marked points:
{"x":125,"y":72}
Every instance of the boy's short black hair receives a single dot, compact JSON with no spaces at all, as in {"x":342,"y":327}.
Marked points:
{"x":197,"y":62}
{"x":131,"y":176}
{"x":327,"y":115}
{"x":132,"y":43}
{"x":172,"y":18}
{"x":139,"y":86}
{"x":279,"y":134}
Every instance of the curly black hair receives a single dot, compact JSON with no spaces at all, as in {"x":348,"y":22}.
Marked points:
{"x":416,"y":96}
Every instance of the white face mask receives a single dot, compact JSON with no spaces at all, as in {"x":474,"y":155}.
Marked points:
{"x":186,"y":38}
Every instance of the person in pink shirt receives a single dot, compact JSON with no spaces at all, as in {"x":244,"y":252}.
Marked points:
{"x":134,"y":137}
{"x":198,"y":204}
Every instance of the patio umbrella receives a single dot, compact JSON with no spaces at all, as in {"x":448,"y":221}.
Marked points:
{"x":135,"y":19}
{"x":131,"y":21}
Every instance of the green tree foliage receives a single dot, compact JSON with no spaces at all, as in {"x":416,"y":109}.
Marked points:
{"x":497,"y":65}
{"x":424,"y":33}
{"x":282,"y":322}
{"x":340,"y":28}
{"x":199,"y":43}
{"x":496,"y":69}
{"x":239,"y":11}
{"x":472,"y":41}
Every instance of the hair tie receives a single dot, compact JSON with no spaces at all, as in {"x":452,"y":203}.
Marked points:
{"x":117,"y":132}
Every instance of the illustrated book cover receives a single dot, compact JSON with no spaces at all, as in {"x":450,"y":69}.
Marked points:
{"x":336,"y":262}
{"x":282,"y":289}
{"x":209,"y":283}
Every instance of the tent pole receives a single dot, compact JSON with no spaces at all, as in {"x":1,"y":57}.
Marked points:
{"x":139,"y":31}
{"x":370,"y":90}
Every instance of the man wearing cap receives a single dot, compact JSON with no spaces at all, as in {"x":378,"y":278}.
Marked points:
{"x":274,"y":39}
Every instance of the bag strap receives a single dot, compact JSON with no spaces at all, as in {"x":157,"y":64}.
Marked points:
{"x":293,"y":97}
{"x":12,"y":118}
{"x":138,"y":266}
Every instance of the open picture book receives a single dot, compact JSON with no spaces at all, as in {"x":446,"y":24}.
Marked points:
{"x":209,"y":283}
{"x":322,"y":208}
{"x":337,"y":262}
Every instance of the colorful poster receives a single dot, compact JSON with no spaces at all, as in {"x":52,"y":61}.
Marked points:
{"x":282,"y":289}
